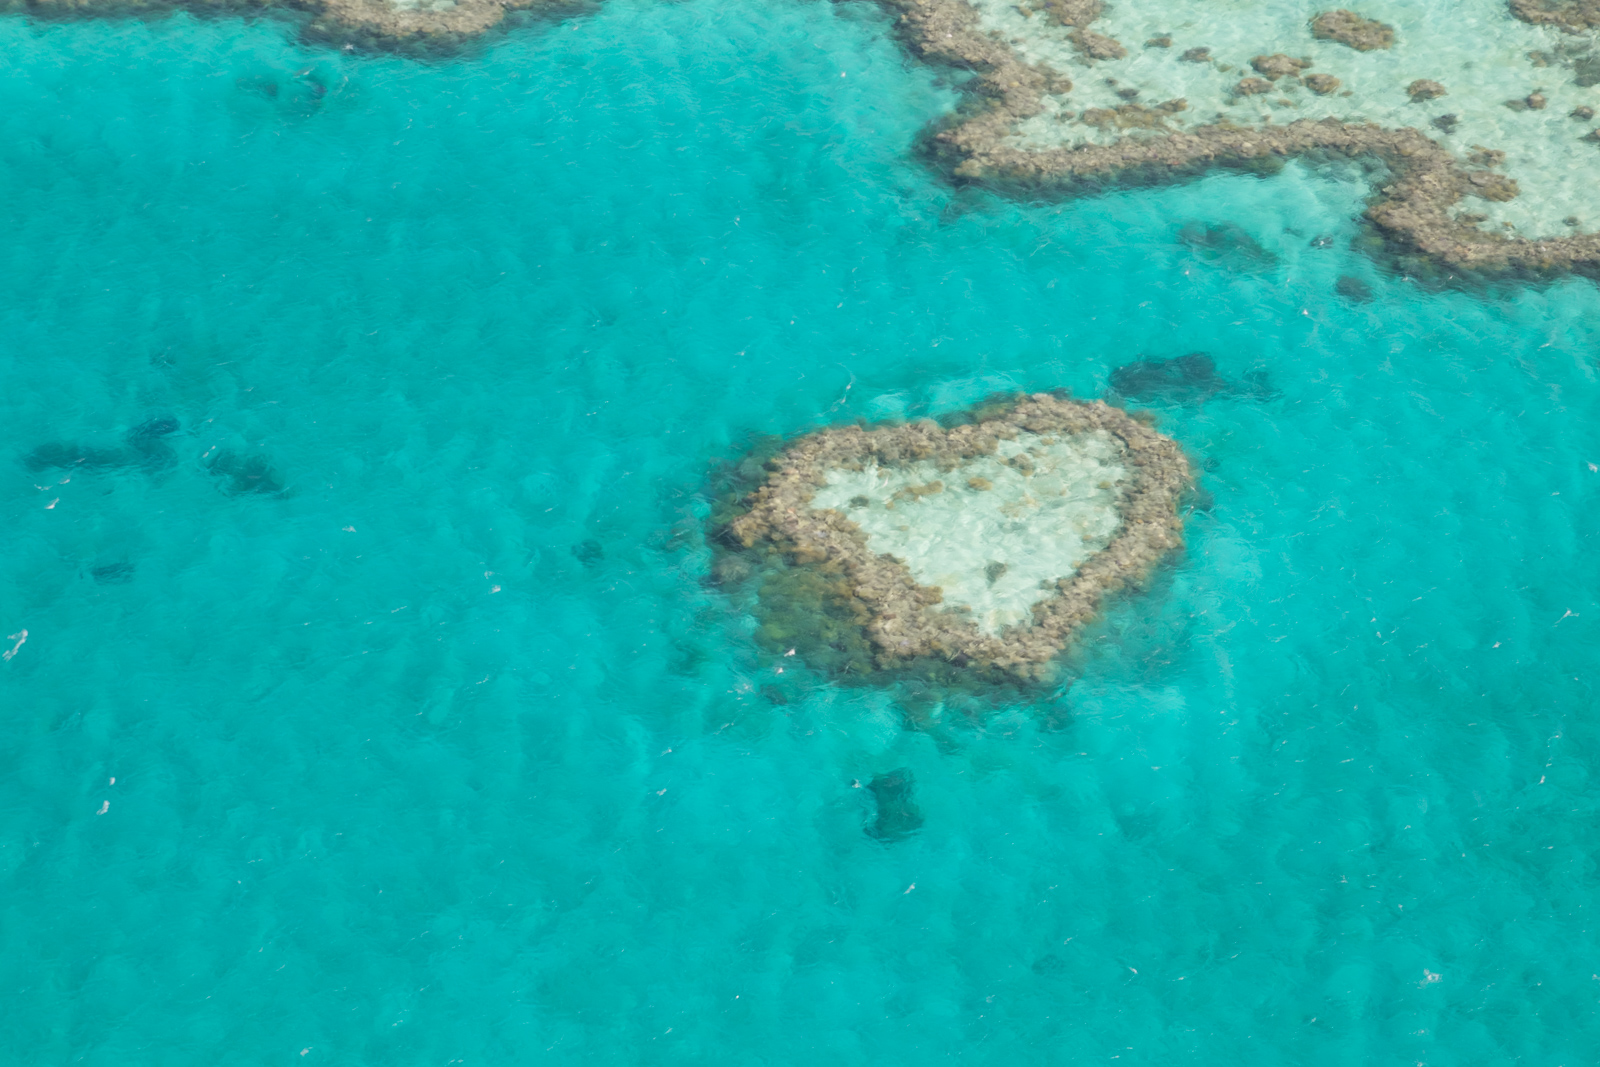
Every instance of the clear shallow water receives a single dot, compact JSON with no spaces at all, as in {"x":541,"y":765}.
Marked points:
{"x":367,"y":806}
{"x":992,"y":540}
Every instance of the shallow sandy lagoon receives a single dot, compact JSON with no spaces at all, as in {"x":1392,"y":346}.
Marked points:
{"x":996,"y":533}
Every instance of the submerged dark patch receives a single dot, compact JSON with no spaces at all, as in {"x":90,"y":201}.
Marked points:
{"x":150,"y":429}
{"x":112,"y":573}
{"x":1184,"y":380}
{"x":66,"y":455}
{"x":297,"y":95}
{"x":147,"y":442}
{"x":812,"y":612}
{"x":1226,"y":244}
{"x":244,"y":474}
{"x":144,"y":448}
{"x":898,"y":815}
{"x":1353,"y":289}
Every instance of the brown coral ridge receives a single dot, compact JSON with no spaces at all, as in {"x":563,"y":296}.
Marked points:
{"x":903,"y":619}
{"x":947,"y":32}
{"x":364,"y":23}
{"x":1576,"y":16}
{"x":1411,"y":211}
{"x":1097,"y":45}
{"x":1347,"y":27}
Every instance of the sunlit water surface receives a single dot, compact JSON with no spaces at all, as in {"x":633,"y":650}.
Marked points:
{"x":446,"y":751}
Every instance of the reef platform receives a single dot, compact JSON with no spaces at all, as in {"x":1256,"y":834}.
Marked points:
{"x":985,"y":545}
{"x":1483,"y":113}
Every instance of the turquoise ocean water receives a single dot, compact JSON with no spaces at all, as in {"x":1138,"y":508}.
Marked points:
{"x":447,"y":752}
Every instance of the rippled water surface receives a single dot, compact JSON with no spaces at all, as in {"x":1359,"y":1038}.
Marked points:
{"x":431,"y":741}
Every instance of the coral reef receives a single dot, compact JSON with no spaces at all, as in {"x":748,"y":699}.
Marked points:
{"x":1574,"y":16}
{"x":1416,"y":209}
{"x":1097,"y":45}
{"x":1278,"y":66}
{"x":400,"y":24}
{"x":1073,"y":12}
{"x":1347,"y":27}
{"x":1012,"y":623}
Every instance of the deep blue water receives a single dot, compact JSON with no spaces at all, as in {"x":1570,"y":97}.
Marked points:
{"x":403,"y":778}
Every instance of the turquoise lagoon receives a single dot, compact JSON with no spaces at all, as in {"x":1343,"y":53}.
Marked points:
{"x":448,"y":752}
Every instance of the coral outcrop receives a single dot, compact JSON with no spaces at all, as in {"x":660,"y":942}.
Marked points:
{"x":1123,"y":477}
{"x":1347,"y":27}
{"x":1097,"y":45}
{"x":1575,"y":16}
{"x":1423,"y":89}
{"x":1278,"y":66}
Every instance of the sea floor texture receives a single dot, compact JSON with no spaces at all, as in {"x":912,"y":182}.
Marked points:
{"x":383,"y":713}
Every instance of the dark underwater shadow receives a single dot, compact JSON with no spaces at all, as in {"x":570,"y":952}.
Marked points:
{"x":144,"y":448}
{"x":1186,"y":379}
{"x":147,"y":450}
{"x":119,"y":573}
{"x":242,"y":474}
{"x":897,"y":815}
{"x":1228,"y":245}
